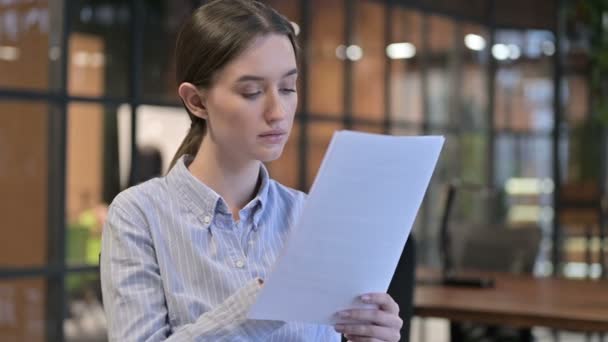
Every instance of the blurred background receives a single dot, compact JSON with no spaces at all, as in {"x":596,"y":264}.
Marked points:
{"x":88,"y":107}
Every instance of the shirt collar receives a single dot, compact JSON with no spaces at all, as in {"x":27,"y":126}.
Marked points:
{"x":204,"y":202}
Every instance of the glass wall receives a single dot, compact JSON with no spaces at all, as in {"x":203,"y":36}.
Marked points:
{"x":523,"y":122}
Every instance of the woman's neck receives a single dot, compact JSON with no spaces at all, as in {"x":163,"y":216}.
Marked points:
{"x":235,"y":181}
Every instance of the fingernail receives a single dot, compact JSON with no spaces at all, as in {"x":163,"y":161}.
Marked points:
{"x":344,"y":314}
{"x":366,"y":298}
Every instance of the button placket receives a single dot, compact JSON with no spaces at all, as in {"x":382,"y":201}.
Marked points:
{"x":239,"y":257}
{"x":248,"y":242}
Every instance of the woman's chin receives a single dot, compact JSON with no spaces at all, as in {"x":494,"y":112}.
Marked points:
{"x":270,"y":154}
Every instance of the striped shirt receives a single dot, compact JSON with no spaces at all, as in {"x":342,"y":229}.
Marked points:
{"x":175,"y":266}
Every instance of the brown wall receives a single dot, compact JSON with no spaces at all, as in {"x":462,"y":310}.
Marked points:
{"x":23,"y":180}
{"x":23,"y":208}
{"x":85,"y":127}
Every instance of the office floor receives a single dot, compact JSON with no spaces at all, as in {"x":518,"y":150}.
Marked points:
{"x":437,"y":330}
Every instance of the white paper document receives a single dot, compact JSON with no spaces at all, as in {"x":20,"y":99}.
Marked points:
{"x":352,"y":229}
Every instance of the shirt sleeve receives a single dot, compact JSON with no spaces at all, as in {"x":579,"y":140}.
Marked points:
{"x":134,"y":301}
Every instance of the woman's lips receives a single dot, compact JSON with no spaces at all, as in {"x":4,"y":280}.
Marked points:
{"x":272,"y":138}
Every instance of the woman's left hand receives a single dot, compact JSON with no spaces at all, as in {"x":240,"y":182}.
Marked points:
{"x":381,"y":324}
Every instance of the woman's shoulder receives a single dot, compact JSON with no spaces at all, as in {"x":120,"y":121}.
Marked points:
{"x":142,"y":196}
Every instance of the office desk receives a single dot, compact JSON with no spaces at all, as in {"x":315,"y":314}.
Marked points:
{"x":519,"y":301}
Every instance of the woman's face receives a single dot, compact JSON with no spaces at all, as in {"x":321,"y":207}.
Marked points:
{"x":252,"y":102}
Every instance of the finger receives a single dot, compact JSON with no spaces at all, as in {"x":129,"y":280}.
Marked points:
{"x":367,"y":330}
{"x":374,"y":316}
{"x":383,"y":300}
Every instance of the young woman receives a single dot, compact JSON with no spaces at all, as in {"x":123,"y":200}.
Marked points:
{"x":183,"y":256}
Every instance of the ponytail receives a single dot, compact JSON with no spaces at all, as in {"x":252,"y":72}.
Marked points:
{"x":192,"y":141}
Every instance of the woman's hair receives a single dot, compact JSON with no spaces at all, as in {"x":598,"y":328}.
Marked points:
{"x":214,"y":35}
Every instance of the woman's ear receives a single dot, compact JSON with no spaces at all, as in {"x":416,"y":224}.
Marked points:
{"x":194,"y":99}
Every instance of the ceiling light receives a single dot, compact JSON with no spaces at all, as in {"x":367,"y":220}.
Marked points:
{"x":401,"y":50}
{"x":474,"y":42}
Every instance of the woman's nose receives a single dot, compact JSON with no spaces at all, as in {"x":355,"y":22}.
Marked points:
{"x":275,"y":110}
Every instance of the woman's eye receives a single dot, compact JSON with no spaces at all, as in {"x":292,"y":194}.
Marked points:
{"x":288,"y":90}
{"x":251,"y":95}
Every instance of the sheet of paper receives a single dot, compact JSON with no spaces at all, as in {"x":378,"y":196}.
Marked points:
{"x":353,"y":226}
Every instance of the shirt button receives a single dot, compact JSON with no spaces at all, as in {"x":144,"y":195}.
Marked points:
{"x":240,"y":264}
{"x":207,"y":219}
{"x":251,"y":242}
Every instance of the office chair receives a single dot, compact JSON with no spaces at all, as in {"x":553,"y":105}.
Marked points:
{"x":449,"y":237}
{"x":490,"y":245}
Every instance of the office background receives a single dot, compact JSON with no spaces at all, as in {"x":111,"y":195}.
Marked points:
{"x":88,"y":106}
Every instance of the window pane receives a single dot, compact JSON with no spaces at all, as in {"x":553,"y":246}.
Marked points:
{"x":448,"y":166}
{"x":160,"y":132}
{"x":442,"y":70}
{"x":523,"y":164}
{"x":98,"y":61}
{"x":29,"y":50}
{"x":285,"y":169}
{"x":463,"y":156}
{"x":368,"y":70}
{"x":85,"y":320}
{"x":325,"y":67}
{"x":472,"y":95}
{"x":162,"y":22}
{"x":522,"y":155}
{"x":319,"y":136}
{"x":473,"y":152}
{"x":581,"y":152}
{"x":406,"y":88}
{"x":24,"y":168}
{"x":22,"y":314}
{"x":524,"y":81}
{"x":92,"y":173}
{"x":576,"y":97}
